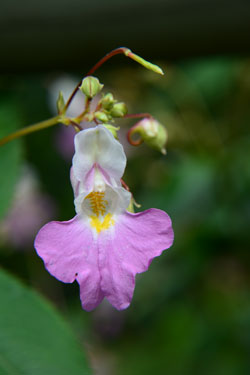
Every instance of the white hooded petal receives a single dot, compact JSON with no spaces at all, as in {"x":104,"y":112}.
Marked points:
{"x":79,"y":186}
{"x":97,"y":146}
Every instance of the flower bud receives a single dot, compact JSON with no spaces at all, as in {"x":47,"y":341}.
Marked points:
{"x":101,"y":116}
{"x":60,"y":103}
{"x":152,"y":133}
{"x":119,"y":110}
{"x":145,"y":63}
{"x":90,"y":86}
{"x":107,"y":101}
{"x":113,"y":129}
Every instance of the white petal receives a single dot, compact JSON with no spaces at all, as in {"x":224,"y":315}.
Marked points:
{"x":80,"y":187}
{"x":98,"y":146}
{"x":118,"y":199}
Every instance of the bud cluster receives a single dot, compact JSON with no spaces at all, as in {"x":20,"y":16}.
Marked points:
{"x":108,"y":109}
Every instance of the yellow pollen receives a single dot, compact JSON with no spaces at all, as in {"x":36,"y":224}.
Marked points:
{"x":105,"y":224}
{"x":97,"y":202}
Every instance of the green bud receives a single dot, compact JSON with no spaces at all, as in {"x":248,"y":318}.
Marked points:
{"x":90,"y":86}
{"x":113,"y":129}
{"x":119,"y":110}
{"x":145,"y":63}
{"x":60,"y":103}
{"x":152,"y":133}
{"x":101,"y":116}
{"x":107,"y":101}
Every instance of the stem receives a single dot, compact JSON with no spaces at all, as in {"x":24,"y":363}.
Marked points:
{"x":136,"y":142}
{"x":86,"y":109}
{"x":127,"y":188}
{"x":30,"y":129}
{"x":125,"y":185}
{"x":117,"y":51}
{"x":138,"y":115}
{"x":131,"y":131}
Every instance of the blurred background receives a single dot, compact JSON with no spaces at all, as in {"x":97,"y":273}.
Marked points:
{"x":191,"y":311}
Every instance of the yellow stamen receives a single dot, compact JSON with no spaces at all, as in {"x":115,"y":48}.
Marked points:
{"x":97,"y":202}
{"x":99,"y":226}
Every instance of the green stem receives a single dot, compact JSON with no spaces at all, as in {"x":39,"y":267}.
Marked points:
{"x":30,"y":129}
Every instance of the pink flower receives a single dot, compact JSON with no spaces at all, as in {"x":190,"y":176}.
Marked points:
{"x":103,"y":247}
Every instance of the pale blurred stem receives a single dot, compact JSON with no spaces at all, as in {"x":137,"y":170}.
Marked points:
{"x":30,"y":129}
{"x":118,"y":51}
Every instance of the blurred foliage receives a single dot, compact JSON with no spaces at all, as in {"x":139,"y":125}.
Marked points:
{"x":191,"y":310}
{"x":42,"y":343}
{"x":10,"y":154}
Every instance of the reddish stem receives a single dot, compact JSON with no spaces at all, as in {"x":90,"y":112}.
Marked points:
{"x":138,"y":115}
{"x":116,"y":51}
{"x":137,"y":142}
{"x":75,"y":125}
{"x":125,"y":185}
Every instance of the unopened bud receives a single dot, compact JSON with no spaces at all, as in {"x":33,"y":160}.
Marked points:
{"x":119,"y":110}
{"x":152,"y":133}
{"x":113,"y":129}
{"x":107,"y":101}
{"x":60,"y":103}
{"x":145,"y":63}
{"x":90,"y":86}
{"x":101,"y":116}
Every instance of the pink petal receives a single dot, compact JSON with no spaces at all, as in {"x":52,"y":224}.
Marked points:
{"x":104,"y":266}
{"x":137,"y":239}
{"x":70,"y":253}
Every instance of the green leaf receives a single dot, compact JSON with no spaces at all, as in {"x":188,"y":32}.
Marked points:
{"x":34,"y":338}
{"x":10,"y":154}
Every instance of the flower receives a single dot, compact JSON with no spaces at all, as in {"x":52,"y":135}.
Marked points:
{"x":103,"y":247}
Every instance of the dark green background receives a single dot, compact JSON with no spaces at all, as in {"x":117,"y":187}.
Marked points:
{"x":191,"y":311}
